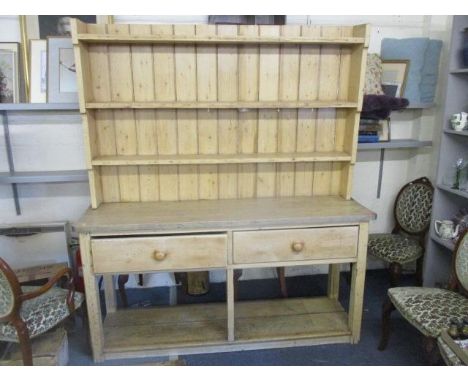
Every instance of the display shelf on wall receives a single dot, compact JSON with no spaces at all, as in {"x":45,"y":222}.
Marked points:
{"x":39,"y":106}
{"x":13,"y":177}
{"x":395,"y":144}
{"x":446,"y":243}
{"x":448,"y":202}
{"x":62,"y":176}
{"x":463,"y":133}
{"x":460,"y":193}
{"x":459,"y":71}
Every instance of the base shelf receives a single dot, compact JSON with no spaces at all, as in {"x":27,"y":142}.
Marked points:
{"x":192,"y":325}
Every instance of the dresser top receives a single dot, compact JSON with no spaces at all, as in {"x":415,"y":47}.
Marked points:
{"x":115,"y":218}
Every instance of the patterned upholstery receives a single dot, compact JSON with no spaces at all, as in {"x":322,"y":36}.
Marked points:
{"x":461,"y":262}
{"x":413,"y":207}
{"x":394,"y":248}
{"x":450,"y":358}
{"x":429,"y":309}
{"x":6,"y":296}
{"x":41,"y":313}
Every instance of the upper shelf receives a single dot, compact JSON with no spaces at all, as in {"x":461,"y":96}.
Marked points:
{"x":38,"y":106}
{"x":169,"y":39}
{"x":223,"y":105}
{"x":463,"y":133}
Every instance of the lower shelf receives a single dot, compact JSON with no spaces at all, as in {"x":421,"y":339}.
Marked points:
{"x":194,"y":325}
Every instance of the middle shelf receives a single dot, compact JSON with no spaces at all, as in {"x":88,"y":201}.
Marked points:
{"x":183,"y":159}
{"x":224,"y":105}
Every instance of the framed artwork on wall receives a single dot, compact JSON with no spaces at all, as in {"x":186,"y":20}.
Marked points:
{"x":61,"y":71}
{"x":38,"y":70}
{"x":394,"y":74}
{"x":40,"y":27}
{"x":9,"y":72}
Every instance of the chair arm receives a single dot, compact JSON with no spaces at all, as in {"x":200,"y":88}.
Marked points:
{"x":43,"y":289}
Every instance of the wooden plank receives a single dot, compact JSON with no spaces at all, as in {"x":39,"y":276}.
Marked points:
{"x":326,"y":130}
{"x":317,"y":104}
{"x":191,"y":39}
{"x":268,"y":119}
{"x":186,"y":90}
{"x":166,"y":123}
{"x":248,"y":91}
{"x":143,"y":82}
{"x":207,"y":119}
{"x":228,"y":74}
{"x":306,"y":124}
{"x":221,"y":158}
{"x":288,"y":91}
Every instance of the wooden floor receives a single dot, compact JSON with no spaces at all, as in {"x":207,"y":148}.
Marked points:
{"x":206,"y":324}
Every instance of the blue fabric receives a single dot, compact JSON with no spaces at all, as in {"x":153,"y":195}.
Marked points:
{"x":414,"y":50}
{"x":430,"y":71}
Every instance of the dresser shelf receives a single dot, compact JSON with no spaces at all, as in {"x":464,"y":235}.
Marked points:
{"x":224,"y":105}
{"x":205,"y":40}
{"x":200,"y":159}
{"x":450,"y":190}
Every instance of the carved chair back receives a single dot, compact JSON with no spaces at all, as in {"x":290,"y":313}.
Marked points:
{"x":10,"y":290}
{"x":413,"y":206}
{"x":460,"y":263}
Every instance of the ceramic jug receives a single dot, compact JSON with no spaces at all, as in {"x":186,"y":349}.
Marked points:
{"x":459,"y":121}
{"x":445,"y":229}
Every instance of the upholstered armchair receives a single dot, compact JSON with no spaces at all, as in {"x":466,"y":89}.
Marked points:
{"x":430,"y":310}
{"x":27,"y":312}
{"x":412,"y":213}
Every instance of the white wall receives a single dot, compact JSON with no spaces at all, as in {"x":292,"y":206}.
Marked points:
{"x":49,"y":142}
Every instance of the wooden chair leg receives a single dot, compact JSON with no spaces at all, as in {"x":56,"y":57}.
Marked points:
{"x":419,"y":271}
{"x":387,"y":310}
{"x":123,"y":294}
{"x":24,"y":342}
{"x":395,"y":270}
{"x":431,"y":351}
{"x":282,"y":281}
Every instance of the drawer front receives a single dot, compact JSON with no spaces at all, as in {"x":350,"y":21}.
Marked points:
{"x":295,"y":244}
{"x":158,"y":253}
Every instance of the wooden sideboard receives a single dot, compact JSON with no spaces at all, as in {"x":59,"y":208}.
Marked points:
{"x":227,"y":235}
{"x":221,"y":147}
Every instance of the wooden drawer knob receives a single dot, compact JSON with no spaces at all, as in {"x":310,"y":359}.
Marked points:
{"x":297,"y":246}
{"x":158,"y":255}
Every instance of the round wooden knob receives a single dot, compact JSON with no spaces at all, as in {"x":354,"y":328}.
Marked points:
{"x":158,"y":255}
{"x":297,"y":246}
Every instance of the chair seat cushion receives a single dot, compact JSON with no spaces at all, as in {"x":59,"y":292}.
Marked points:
{"x":394,"y":248}
{"x":41,"y":313}
{"x":429,"y":309}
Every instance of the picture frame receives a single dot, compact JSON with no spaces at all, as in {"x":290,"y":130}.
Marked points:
{"x":30,"y":27}
{"x":38,"y":71}
{"x":61,"y":73}
{"x":394,"y":75}
{"x":9,"y":72}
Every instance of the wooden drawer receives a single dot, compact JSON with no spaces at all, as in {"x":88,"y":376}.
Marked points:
{"x":295,"y":244}
{"x":158,"y":253}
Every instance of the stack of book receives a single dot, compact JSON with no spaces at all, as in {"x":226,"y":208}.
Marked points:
{"x":373,"y":130}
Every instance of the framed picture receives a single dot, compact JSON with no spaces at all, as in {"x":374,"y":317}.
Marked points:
{"x":41,"y":27}
{"x":38,"y":70}
{"x":394,"y":74}
{"x":9,"y":72}
{"x":61,"y":71}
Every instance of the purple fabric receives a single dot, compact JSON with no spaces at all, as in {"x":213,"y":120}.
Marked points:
{"x":380,"y":106}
